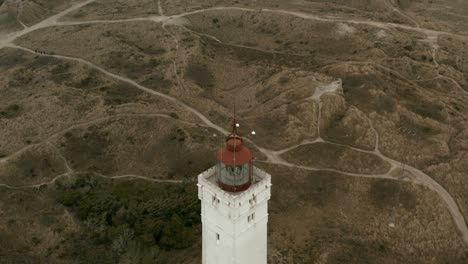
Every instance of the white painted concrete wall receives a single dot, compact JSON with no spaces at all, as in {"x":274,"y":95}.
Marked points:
{"x":241,"y":241}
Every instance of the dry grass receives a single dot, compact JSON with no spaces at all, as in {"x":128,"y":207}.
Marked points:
{"x":318,"y":217}
{"x":329,"y":156}
{"x":272,"y":62}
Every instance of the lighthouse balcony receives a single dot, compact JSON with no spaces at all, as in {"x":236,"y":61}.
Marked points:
{"x":210,"y":192}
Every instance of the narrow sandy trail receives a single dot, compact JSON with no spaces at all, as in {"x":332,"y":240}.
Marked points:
{"x":50,"y":21}
{"x":37,"y":185}
{"x":21,"y":22}
{"x":419,"y":177}
{"x":160,"y":9}
{"x":156,"y":19}
{"x":398,"y":11}
{"x":131,"y":82}
{"x":380,"y":66}
{"x":131,"y":176}
{"x":67,"y":174}
{"x":59,"y":153}
{"x":238,"y":45}
{"x":273,"y":157}
{"x":383,"y":25}
{"x":81,"y":125}
{"x":53,"y":20}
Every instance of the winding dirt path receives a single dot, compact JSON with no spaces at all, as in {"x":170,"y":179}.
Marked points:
{"x":67,"y":174}
{"x":401,"y":13}
{"x":84,"y":124}
{"x":383,"y":25}
{"x":37,"y":185}
{"x":416,"y":176}
{"x":50,"y":21}
{"x":272,"y":156}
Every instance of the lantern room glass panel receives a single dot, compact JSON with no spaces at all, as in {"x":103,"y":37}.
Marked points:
{"x":233,"y":175}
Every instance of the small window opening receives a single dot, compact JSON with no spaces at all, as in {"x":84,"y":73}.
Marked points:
{"x":251,"y":217}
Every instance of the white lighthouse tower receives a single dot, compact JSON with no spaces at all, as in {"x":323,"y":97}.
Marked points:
{"x":234,"y":207}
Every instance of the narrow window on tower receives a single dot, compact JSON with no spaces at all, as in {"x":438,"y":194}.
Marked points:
{"x":217,"y":238}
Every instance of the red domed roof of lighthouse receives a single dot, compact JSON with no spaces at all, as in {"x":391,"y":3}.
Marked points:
{"x":234,"y":153}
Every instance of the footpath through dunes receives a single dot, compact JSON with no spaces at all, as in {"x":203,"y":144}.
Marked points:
{"x":16,"y":15}
{"x":452,"y":206}
{"x":316,"y":213}
{"x":330,"y":156}
{"x":426,"y":179}
{"x":48,"y":22}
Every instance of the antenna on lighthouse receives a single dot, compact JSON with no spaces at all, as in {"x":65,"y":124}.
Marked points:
{"x":234,"y":134}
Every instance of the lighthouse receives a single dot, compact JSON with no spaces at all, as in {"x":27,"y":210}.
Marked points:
{"x":234,"y":198}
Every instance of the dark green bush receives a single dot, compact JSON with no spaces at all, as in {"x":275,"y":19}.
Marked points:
{"x":155,"y":214}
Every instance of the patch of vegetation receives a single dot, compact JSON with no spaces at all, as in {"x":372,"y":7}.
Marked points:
{"x":154,"y":51}
{"x":89,"y":82}
{"x":325,"y":155}
{"x":118,"y":213}
{"x":343,"y":129}
{"x":181,"y":160}
{"x":119,"y":94}
{"x":40,"y":62}
{"x":12,"y":252}
{"x":35,"y":166}
{"x":61,"y":78}
{"x":158,"y":83}
{"x":283,"y":80}
{"x":354,"y":251}
{"x":123,"y":62}
{"x":386,"y":104}
{"x":11,"y":59}
{"x":174,"y":115}
{"x":427,"y":110}
{"x":292,"y":109}
{"x":21,"y":77}
{"x":420,"y":130}
{"x":267,"y":93}
{"x":88,"y":150}
{"x":389,"y":193}
{"x":358,"y":91}
{"x":10,"y":111}
{"x":320,"y":188}
{"x":200,"y":74}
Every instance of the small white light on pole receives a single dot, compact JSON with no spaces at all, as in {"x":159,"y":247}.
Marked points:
{"x":237,"y":125}
{"x":253,"y":133}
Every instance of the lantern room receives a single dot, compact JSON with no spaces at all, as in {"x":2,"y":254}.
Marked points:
{"x":234,"y":169}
